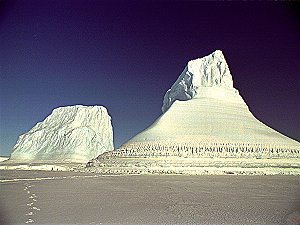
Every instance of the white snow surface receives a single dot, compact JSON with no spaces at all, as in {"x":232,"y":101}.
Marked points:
{"x":3,"y":158}
{"x":69,"y":134}
{"x":209,"y":71}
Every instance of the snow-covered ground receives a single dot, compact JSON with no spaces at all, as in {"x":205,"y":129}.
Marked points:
{"x":3,"y":158}
{"x":169,"y":165}
{"x":194,"y":166}
{"x":32,"y":197}
{"x":45,"y":167}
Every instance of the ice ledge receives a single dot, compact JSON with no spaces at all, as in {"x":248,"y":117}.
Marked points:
{"x":209,"y":71}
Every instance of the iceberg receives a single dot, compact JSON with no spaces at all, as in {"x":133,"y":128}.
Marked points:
{"x":205,"y":116}
{"x":69,"y":134}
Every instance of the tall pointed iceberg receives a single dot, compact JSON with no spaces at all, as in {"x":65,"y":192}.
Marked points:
{"x":205,"y":116}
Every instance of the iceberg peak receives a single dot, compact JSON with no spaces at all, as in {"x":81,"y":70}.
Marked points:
{"x":209,"y":71}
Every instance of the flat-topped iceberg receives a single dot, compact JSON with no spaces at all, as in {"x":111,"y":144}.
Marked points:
{"x":69,"y":134}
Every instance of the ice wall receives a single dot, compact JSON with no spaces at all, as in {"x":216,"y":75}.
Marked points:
{"x":209,"y":71}
{"x":69,"y":134}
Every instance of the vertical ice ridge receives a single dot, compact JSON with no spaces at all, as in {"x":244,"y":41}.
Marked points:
{"x":209,"y":71}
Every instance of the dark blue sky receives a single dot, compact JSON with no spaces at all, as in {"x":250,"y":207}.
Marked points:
{"x":126,"y":54}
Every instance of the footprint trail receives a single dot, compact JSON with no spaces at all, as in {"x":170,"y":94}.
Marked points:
{"x":32,"y":200}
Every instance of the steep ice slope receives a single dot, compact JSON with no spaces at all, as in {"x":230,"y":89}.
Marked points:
{"x":72,"y":133}
{"x":209,"y":71}
{"x":210,"y":121}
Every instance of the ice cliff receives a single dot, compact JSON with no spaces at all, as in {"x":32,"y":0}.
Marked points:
{"x":209,"y":71}
{"x":69,"y":134}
